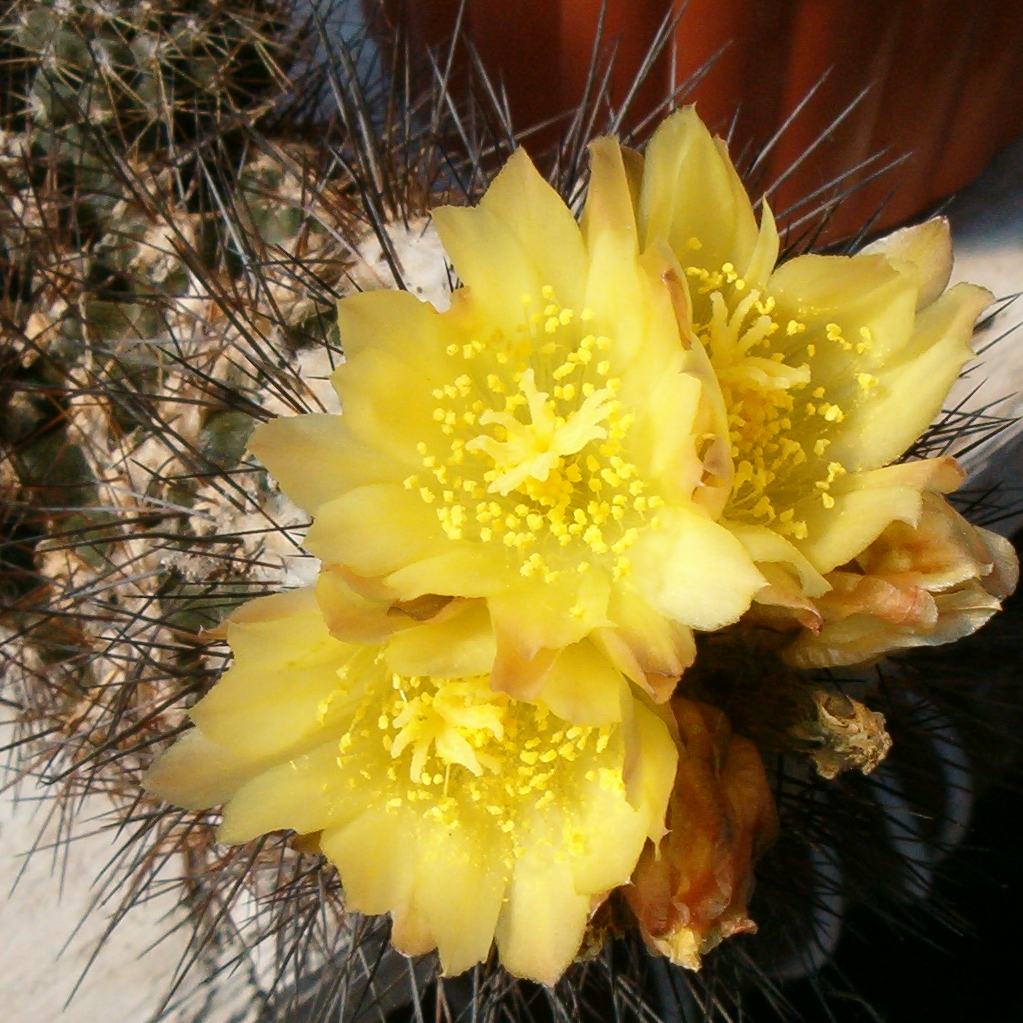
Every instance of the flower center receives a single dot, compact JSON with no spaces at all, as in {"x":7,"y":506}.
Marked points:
{"x":531,"y":446}
{"x":454,"y":725}
{"x":461,"y":754}
{"x":781,"y":413}
{"x":533,"y":449}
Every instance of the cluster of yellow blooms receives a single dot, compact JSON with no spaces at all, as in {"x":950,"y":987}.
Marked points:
{"x":625,"y":430}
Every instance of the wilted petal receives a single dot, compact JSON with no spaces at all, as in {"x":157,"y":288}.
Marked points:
{"x":691,"y":892}
{"x":918,"y":584}
{"x":842,"y":734}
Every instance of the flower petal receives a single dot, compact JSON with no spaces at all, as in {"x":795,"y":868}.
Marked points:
{"x":765,"y":546}
{"x":196,"y":773}
{"x":460,"y":569}
{"x":244,"y":712}
{"x":862,"y":638}
{"x":644,"y":645}
{"x":303,"y":793}
{"x":865,"y":503}
{"x":349,"y":615}
{"x":609,"y":216}
{"x":372,"y":855}
{"x":692,"y":196}
{"x":458,"y":643}
{"x":521,"y":236}
{"x":583,"y":687}
{"x":314,"y":459}
{"x":765,"y":253}
{"x":693,"y":570}
{"x":532,"y":618}
{"x":396,"y":322}
{"x":864,"y":295}
{"x":692,"y":891}
{"x":651,"y":759}
{"x":374,"y":530}
{"x":912,"y":386}
{"x":542,"y":924}
{"x":372,"y":385}
{"x":916,"y":585}
{"x":667,"y":455}
{"x":926,"y":248}
{"x":459,"y":890}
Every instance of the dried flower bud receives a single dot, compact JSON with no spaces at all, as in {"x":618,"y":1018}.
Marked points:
{"x":691,"y":891}
{"x":842,"y":734}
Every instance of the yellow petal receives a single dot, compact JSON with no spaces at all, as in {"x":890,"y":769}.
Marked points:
{"x":669,"y":456}
{"x":304,"y":794}
{"x":245,"y":712}
{"x":619,"y":294}
{"x":911,"y":387}
{"x":765,"y":546}
{"x":643,"y":645}
{"x":649,"y":768}
{"x":537,"y":216}
{"x":691,"y":194}
{"x":765,"y":253}
{"x":614,"y":835}
{"x":521,"y":236}
{"x":583,"y":687}
{"x":926,"y":249}
{"x":706,"y":422}
{"x":693,"y":570}
{"x":459,"y":569}
{"x":372,"y":855}
{"x":396,"y":322}
{"x":349,"y":615}
{"x":609,"y":217}
{"x":852,"y":291}
{"x":541,"y":616}
{"x":314,"y":458}
{"x":197,"y":774}
{"x":865,"y":503}
{"x":458,"y":643}
{"x":374,"y":530}
{"x":459,"y":889}
{"x":374,"y":383}
{"x":542,"y":924}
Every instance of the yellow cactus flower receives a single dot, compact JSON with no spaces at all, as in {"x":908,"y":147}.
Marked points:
{"x":538,"y":445}
{"x":829,"y":367}
{"x":467,"y":815}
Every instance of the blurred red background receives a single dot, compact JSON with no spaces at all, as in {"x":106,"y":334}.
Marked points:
{"x":945,"y":77}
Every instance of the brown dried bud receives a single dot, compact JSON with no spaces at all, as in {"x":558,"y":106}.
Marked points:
{"x":842,"y":734}
{"x":691,"y":891}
